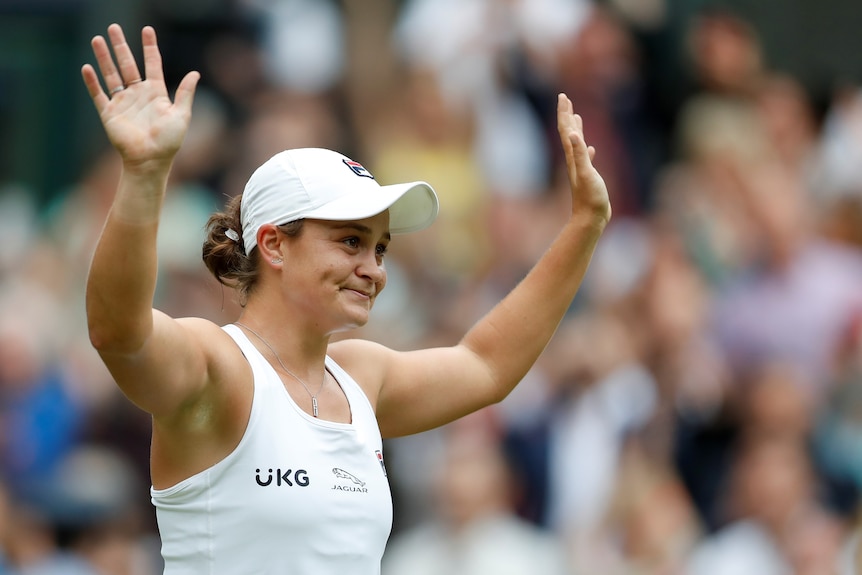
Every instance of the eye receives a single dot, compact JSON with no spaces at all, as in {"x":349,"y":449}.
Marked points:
{"x":351,"y":242}
{"x":381,"y":250}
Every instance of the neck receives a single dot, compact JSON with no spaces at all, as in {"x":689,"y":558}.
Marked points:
{"x":284,"y":368}
{"x":305,"y":358}
{"x":299,"y":348}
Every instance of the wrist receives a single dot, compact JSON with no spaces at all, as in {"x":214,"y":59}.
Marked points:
{"x":153,"y":168}
{"x":596,"y":218}
{"x":140,"y":193}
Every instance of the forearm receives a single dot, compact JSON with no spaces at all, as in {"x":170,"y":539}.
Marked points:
{"x":122,"y":278}
{"x":510,"y":338}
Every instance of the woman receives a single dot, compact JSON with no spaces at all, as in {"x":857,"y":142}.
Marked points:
{"x":266,"y":447}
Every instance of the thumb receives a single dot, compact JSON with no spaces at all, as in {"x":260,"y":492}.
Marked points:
{"x":186,"y":92}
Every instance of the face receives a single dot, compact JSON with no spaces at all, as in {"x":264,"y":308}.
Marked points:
{"x":334,"y":270}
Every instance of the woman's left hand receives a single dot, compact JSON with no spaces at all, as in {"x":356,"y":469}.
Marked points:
{"x":589,"y":192}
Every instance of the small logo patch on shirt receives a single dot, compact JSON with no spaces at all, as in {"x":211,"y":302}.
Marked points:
{"x":380,"y":460}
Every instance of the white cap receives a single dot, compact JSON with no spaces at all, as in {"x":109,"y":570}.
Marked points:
{"x":321,"y":184}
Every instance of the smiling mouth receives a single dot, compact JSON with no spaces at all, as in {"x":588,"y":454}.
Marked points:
{"x":361,"y":293}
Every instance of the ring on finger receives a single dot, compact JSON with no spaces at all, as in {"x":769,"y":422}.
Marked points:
{"x":117,"y":89}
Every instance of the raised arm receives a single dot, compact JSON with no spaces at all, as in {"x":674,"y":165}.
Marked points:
{"x":423,"y":389}
{"x":146,"y":128}
{"x":510,"y":338}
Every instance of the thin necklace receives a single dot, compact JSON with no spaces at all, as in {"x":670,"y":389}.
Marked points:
{"x":284,"y":367}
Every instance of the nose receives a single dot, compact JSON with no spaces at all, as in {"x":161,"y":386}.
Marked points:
{"x":372,"y":268}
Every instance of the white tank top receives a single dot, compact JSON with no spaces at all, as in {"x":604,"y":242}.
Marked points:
{"x":298,"y":495}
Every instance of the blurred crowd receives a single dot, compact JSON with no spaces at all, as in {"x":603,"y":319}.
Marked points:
{"x":699,"y":411}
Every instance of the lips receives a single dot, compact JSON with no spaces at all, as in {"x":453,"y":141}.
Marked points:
{"x":363,"y":293}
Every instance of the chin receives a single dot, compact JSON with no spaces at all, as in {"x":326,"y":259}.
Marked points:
{"x":355,"y":322}
{"x":355,"y":314}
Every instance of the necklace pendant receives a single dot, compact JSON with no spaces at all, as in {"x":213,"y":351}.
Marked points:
{"x":314,"y":406}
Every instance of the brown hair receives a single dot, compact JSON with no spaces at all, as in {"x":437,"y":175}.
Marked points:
{"x":226,"y":259}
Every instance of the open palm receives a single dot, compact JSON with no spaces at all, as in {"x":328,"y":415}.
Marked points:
{"x":589,"y":191}
{"x":138,"y":116}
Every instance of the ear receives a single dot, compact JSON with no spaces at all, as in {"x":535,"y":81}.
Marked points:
{"x":269,"y":244}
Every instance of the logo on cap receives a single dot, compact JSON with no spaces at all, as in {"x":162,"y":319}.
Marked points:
{"x":358,"y":169}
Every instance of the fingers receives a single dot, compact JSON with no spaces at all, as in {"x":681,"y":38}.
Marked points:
{"x":583,"y":154}
{"x":571,"y":129}
{"x":123,"y":73}
{"x":152,"y":56}
{"x":91,"y":81}
{"x":110,"y":74}
{"x":567,"y":120}
{"x":117,"y":76}
{"x":128,"y":68}
{"x":564,"y":110}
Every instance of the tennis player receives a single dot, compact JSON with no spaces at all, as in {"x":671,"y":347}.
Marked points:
{"x":267,"y":451}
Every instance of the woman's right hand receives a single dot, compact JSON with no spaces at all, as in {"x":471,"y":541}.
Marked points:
{"x":139,"y":118}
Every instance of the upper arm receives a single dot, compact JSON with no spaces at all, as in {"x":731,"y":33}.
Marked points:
{"x":415,"y":391}
{"x":172,"y":367}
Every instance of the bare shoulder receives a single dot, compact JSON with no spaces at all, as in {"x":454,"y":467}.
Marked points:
{"x":360,"y":356}
{"x":203,"y":327}
{"x":223,"y":355}
{"x":366,"y":362}
{"x":207,"y":424}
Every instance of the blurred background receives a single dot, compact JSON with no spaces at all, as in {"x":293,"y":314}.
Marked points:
{"x":699,"y":411}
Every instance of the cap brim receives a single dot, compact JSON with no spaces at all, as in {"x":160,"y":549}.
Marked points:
{"x":412,"y":207}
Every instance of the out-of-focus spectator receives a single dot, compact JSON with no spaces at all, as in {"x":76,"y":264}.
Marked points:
{"x":668,"y":310}
{"x":750,"y":225}
{"x":789,"y":122}
{"x":670,"y":306}
{"x":836,"y":177}
{"x":837,"y":435}
{"x":69,"y":220}
{"x":83,"y":520}
{"x":18,"y":228}
{"x":302,"y":43}
{"x":651,"y":526}
{"x":850,"y":559}
{"x":473,"y":48}
{"x":221,"y":39}
{"x":775,"y":523}
{"x":840,"y":170}
{"x":776,"y":401}
{"x":40,"y":418}
{"x":6,"y":526}
{"x":795,"y":304}
{"x":71,"y":228}
{"x":279,"y":121}
{"x":617,"y":396}
{"x":696,"y":197}
{"x":600,"y":67}
{"x":600,"y":394}
{"x":726,"y":52}
{"x":474,"y":530}
{"x":427,"y":138}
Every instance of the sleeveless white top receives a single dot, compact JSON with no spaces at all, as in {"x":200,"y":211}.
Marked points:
{"x":298,"y":495}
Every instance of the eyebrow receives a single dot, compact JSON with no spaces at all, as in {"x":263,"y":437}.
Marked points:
{"x":361,"y":228}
